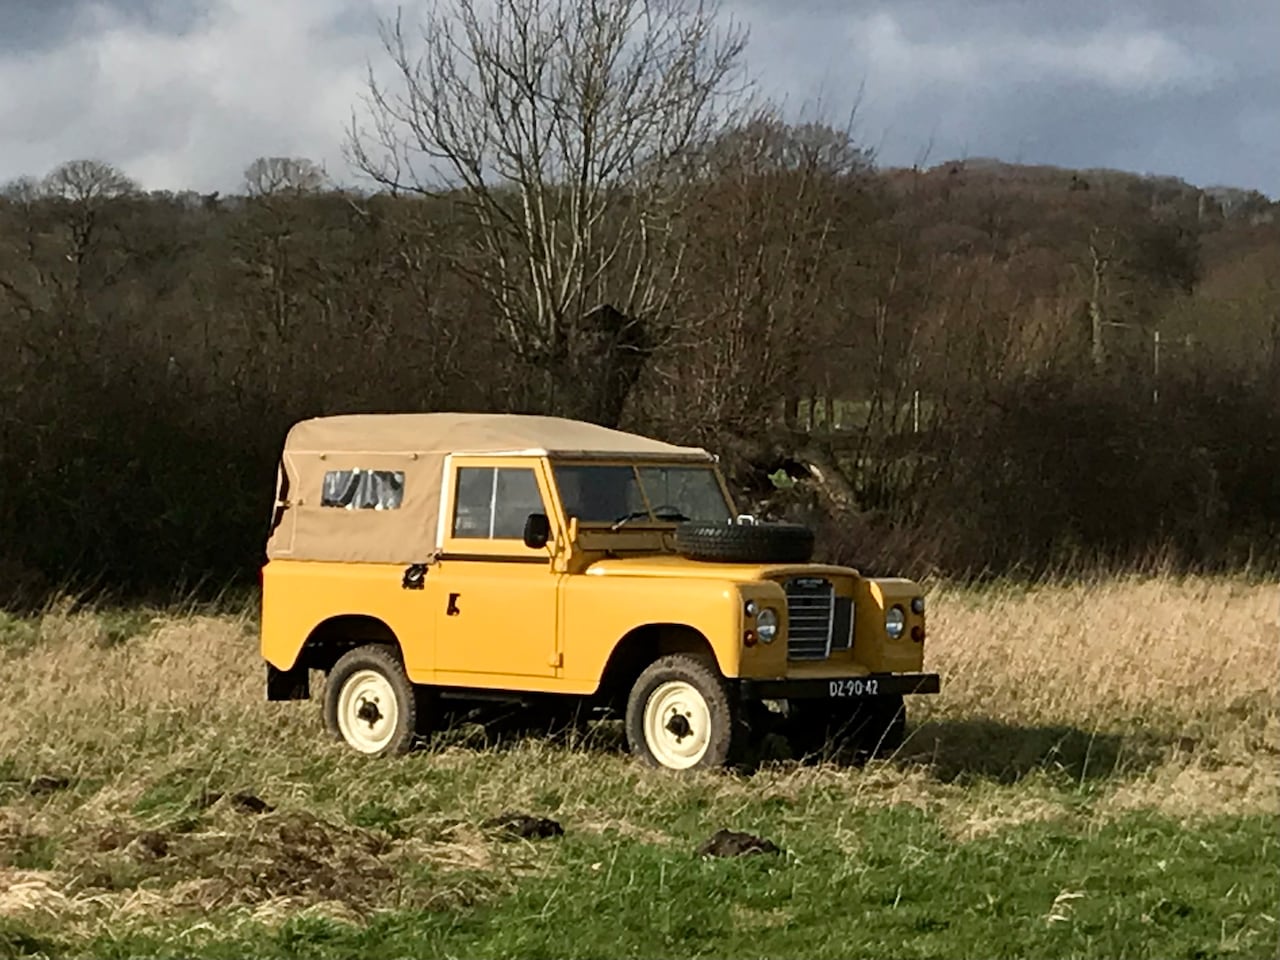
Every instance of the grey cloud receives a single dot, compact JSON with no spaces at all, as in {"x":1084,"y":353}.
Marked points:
{"x":1053,"y":16}
{"x":187,"y":92}
{"x":32,"y":26}
{"x":1180,"y":88}
{"x":187,"y":100}
{"x":1030,"y":17}
{"x":25,"y":25}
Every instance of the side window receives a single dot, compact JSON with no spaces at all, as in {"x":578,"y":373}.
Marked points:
{"x":492,"y":503}
{"x":473,"y":505}
{"x":363,"y":489}
{"x":517,"y":496}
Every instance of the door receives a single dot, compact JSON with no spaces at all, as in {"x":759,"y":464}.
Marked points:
{"x":497,"y":612}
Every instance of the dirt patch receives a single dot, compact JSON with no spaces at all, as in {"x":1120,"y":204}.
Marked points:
{"x":521,"y":826}
{"x":242,"y":802}
{"x":45,"y":784}
{"x":730,"y":843}
{"x":150,"y":845}
{"x":268,"y":865}
{"x":294,"y":855}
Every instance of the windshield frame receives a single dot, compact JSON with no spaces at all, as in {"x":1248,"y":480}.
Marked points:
{"x":637,"y":465}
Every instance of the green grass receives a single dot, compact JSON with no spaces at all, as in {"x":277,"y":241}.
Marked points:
{"x":387,"y":859}
{"x":1105,"y":785}
{"x":1138,"y":886}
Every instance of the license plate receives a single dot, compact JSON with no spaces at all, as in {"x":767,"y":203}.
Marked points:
{"x":854,"y":688}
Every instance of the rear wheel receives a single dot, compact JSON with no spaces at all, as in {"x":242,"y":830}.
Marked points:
{"x":680,"y":715}
{"x":370,"y":703}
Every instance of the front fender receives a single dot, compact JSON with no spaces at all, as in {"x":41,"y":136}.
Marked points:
{"x":597,"y":612}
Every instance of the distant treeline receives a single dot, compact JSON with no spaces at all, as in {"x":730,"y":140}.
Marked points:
{"x":977,"y":368}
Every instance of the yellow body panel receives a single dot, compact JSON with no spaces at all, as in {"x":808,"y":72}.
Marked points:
{"x":500,"y":615}
{"x":503,"y":619}
{"x":875,"y":650}
{"x":300,"y":595}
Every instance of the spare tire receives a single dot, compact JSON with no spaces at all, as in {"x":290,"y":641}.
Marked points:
{"x":745,"y":542}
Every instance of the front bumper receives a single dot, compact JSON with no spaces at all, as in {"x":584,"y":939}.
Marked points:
{"x":865,"y":687}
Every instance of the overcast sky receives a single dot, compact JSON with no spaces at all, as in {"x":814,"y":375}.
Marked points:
{"x":185,"y":93}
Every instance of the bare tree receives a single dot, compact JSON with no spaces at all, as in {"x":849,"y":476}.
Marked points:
{"x":85,"y":187}
{"x":561,"y":127}
{"x":267,"y":238}
{"x":87,"y":183}
{"x":765,"y":143}
{"x":23,"y":282}
{"x":85,"y":197}
{"x":268,"y":176}
{"x":782,"y":218}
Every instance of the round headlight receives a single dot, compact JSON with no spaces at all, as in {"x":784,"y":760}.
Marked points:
{"x":751,"y":608}
{"x":767,"y":624}
{"x":894,"y":622}
{"x":917,"y":606}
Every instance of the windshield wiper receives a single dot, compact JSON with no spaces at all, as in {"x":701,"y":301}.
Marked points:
{"x":662,"y":513}
{"x":633,"y":515}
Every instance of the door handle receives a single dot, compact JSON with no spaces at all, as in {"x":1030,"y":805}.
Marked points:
{"x":452,"y":609}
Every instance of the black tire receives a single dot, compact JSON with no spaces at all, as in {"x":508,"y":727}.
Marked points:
{"x":722,"y":729}
{"x":745,"y":542}
{"x":823,"y":729}
{"x":410,"y":701}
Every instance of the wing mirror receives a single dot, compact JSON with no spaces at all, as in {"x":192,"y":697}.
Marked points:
{"x":537,"y":531}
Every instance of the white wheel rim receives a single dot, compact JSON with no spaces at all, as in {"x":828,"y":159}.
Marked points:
{"x":368,"y":712}
{"x":677,"y":725}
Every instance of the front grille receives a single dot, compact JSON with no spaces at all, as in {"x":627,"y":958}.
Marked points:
{"x":842,"y":632}
{"x":811,"y":614}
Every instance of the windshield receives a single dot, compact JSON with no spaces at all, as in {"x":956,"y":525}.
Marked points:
{"x":617,"y":494}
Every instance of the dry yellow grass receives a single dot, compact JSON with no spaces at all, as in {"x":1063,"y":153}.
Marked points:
{"x":1157,"y":694}
{"x":1177,"y":680}
{"x":1203,"y":654}
{"x":1190,"y":666}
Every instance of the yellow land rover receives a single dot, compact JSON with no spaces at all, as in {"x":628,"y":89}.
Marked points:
{"x":416,"y":558}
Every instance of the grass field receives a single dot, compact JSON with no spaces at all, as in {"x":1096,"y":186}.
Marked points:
{"x":1100,"y":777}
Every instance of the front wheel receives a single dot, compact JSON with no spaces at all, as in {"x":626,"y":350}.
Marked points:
{"x":370,"y":703}
{"x":680,"y":715}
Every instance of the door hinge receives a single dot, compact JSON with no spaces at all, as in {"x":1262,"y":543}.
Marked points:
{"x":556,"y":660}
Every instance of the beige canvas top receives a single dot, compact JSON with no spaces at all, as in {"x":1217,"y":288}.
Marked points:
{"x":415,"y":445}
